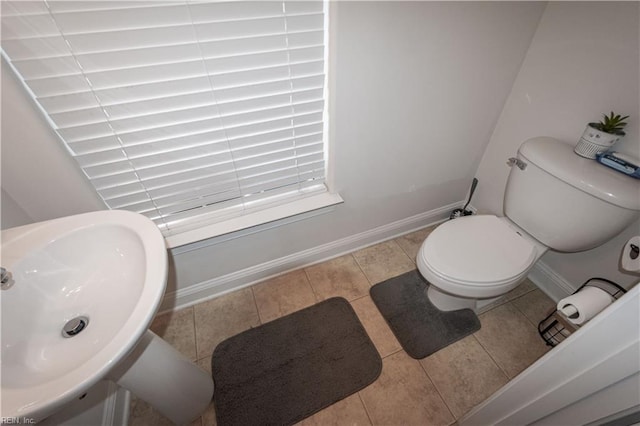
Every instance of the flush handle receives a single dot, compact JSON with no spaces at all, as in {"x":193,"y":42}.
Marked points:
{"x":6,"y":279}
{"x":516,"y":162}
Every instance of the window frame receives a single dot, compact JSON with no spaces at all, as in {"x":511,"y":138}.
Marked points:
{"x":314,"y":201}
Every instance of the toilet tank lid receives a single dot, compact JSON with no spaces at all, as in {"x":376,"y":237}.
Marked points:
{"x":558,"y":159}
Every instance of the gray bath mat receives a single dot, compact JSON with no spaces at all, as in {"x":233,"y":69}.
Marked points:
{"x":421,"y":328}
{"x":287,"y":369}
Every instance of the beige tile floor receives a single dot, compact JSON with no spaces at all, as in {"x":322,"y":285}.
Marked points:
{"x":436,"y":390}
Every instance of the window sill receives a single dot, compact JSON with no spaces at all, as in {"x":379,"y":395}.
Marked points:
{"x":304,"y":205}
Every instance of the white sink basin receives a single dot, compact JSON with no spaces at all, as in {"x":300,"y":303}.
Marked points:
{"x":107,"y":266}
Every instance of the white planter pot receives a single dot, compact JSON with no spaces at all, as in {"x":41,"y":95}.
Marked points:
{"x":594,"y":141}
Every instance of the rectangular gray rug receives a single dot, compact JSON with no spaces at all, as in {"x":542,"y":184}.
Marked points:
{"x":420,"y":327}
{"x":287,"y":369}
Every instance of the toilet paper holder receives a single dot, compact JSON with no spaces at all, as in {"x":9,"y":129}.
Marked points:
{"x":556,"y":327}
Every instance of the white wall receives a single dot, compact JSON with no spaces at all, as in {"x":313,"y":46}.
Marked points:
{"x":416,"y":90}
{"x":11,"y":213}
{"x":37,"y":172}
{"x":583,"y":61}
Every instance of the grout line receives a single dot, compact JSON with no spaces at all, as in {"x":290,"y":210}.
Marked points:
{"x":453,"y":416}
{"x":523,"y":314}
{"x":535,"y":287}
{"x":413,"y":260}
{"x":313,"y":290}
{"x":492,"y":307}
{"x":355,"y":260}
{"x":359,"y":297}
{"x":361,"y":269}
{"x":204,"y":357}
{"x":518,"y":311}
{"x":393,"y":241}
{"x":195,"y":330}
{"x":535,"y":324}
{"x":393,"y":353}
{"x":365,"y":406}
{"x":492,"y":358}
{"x":255,"y":302}
{"x":402,"y":248}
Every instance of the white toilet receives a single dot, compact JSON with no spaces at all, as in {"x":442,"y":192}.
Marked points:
{"x":553,"y":199}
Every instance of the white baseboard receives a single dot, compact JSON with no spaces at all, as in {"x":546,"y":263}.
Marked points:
{"x":220,"y":285}
{"x":549,"y":281}
{"x":554,"y":285}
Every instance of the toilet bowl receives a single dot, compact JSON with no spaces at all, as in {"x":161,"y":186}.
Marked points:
{"x":554,"y":199}
{"x":473,"y":260}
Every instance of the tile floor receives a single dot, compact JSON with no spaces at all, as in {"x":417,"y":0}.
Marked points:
{"x":436,"y":390}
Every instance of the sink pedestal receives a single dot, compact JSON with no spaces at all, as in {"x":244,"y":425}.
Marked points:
{"x":160,"y":375}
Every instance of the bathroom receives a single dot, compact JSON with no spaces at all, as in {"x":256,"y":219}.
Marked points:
{"x":423,"y":96}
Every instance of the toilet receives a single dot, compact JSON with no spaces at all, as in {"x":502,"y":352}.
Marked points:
{"x":554,"y":199}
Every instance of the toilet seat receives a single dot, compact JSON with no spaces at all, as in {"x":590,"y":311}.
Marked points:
{"x":476,"y":251}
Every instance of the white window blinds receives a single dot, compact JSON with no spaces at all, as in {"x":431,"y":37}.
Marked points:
{"x":186,"y":112}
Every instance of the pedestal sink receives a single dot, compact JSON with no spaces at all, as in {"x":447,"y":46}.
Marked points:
{"x":76,"y":302}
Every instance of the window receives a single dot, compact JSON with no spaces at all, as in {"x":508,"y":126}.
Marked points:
{"x":186,"y":112}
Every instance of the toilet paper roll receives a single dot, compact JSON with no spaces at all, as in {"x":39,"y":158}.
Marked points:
{"x":628,"y":262}
{"x":585,"y":304}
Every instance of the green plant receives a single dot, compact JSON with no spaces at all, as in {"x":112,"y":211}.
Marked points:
{"x":612,"y":124}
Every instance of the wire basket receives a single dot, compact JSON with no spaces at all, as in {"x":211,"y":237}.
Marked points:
{"x":556,"y":327}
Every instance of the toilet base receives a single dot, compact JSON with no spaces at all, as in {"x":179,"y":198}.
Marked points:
{"x":447,"y":302}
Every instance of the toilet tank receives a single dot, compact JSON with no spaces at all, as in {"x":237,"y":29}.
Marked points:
{"x":567,"y":202}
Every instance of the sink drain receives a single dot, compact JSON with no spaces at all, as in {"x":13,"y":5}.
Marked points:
{"x":75,"y":326}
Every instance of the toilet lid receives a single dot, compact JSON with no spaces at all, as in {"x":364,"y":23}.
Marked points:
{"x":478,"y":249}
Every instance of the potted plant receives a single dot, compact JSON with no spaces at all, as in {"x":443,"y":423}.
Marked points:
{"x":599,"y":137}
